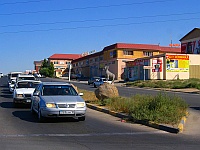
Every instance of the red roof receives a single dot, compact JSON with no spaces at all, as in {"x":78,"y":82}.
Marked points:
{"x":170,"y":49}
{"x":65,"y":56}
{"x":143,"y":47}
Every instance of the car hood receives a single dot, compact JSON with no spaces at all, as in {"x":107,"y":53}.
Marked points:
{"x":25,"y":90}
{"x":61,"y":99}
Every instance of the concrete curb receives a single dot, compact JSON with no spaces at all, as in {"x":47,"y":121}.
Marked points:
{"x":123,"y":116}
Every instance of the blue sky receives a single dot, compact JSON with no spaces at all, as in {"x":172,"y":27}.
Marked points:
{"x":36,"y":29}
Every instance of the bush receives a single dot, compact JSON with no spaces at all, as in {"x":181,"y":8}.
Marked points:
{"x":160,"y":109}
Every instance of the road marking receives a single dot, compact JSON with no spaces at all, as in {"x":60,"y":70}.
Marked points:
{"x":79,"y":135}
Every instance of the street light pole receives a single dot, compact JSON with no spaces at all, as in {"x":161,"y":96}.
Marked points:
{"x":70,"y":67}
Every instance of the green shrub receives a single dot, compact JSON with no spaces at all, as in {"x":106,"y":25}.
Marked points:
{"x":161,"y":109}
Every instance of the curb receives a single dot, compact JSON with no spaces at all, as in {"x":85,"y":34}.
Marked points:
{"x":146,"y":123}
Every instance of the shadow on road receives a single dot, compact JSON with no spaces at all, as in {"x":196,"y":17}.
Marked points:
{"x":11,"y":105}
{"x":26,"y":115}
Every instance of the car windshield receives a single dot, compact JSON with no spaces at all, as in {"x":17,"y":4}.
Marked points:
{"x":52,"y":90}
{"x":27,"y":85}
{"x":26,"y":78}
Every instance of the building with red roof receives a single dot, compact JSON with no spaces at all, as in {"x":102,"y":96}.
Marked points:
{"x":115,"y":56}
{"x":62,"y":61}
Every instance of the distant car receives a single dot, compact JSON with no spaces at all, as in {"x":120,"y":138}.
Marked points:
{"x":101,"y":81}
{"x":37,"y":75}
{"x":23,"y":91}
{"x":13,"y":76}
{"x":11,"y":85}
{"x":25,"y":77}
{"x":92,"y":80}
{"x":57,"y":99}
{"x":1,"y":74}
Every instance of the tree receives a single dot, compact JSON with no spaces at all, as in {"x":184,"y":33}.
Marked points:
{"x":51,"y":70}
{"x":47,"y":69}
{"x":45,"y":64}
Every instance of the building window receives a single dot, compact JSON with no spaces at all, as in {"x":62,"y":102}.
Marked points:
{"x":126,"y":52}
{"x":62,"y":63}
{"x":113,"y":54}
{"x":147,"y":53}
{"x":87,"y":62}
{"x":55,"y":62}
{"x":100,"y":58}
{"x":96,"y":59}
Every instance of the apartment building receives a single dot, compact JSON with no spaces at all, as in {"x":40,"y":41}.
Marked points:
{"x":115,"y":56}
{"x":62,"y":61}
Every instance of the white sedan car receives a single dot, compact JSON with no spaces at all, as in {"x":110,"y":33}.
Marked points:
{"x":23,"y":91}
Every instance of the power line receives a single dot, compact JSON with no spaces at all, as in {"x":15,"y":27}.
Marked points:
{"x":83,"y":8}
{"x":23,"y":2}
{"x":94,"y":20}
{"x":96,"y":26}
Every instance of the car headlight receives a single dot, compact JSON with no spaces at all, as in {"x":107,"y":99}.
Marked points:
{"x":50,"y":105}
{"x":80,"y":105}
{"x":19,"y":95}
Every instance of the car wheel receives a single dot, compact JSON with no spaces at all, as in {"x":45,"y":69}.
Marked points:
{"x":81,"y":118}
{"x":40,"y":117}
{"x":15,"y":105}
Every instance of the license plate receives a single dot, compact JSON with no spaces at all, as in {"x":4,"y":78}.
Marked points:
{"x":28,"y":101}
{"x":66,"y":112}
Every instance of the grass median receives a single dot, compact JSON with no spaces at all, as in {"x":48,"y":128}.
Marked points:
{"x":162,"y":108}
{"x":172,"y":84}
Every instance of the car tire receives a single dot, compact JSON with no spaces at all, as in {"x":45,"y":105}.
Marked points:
{"x":40,"y":117}
{"x":15,"y":105}
{"x":81,"y":118}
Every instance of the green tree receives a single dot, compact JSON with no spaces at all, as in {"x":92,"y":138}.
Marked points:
{"x":47,"y":69}
{"x":45,"y":64}
{"x":51,"y":70}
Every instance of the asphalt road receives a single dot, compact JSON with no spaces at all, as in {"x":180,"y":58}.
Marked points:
{"x":19,"y":129}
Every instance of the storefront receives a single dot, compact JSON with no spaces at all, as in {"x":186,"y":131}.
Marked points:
{"x":160,"y":67}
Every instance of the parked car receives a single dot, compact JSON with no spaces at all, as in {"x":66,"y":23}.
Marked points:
{"x":23,"y":91}
{"x":101,"y":81}
{"x":92,"y":79}
{"x":57,"y":99}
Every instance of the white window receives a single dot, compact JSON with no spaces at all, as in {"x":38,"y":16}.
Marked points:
{"x":127,"y":52}
{"x":147,"y":53}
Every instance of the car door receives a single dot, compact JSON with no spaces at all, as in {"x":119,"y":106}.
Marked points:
{"x":36,"y":99}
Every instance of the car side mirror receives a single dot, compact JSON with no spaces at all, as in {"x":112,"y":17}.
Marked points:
{"x":37,"y":93}
{"x":80,"y":94}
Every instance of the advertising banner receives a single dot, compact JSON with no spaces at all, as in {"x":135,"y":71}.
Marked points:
{"x":177,"y":63}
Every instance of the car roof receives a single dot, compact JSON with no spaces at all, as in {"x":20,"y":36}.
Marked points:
{"x":25,"y":75}
{"x":55,"y":83}
{"x":29,"y":81}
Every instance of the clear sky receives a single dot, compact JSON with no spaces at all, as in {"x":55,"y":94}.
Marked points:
{"x":32,"y":30}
